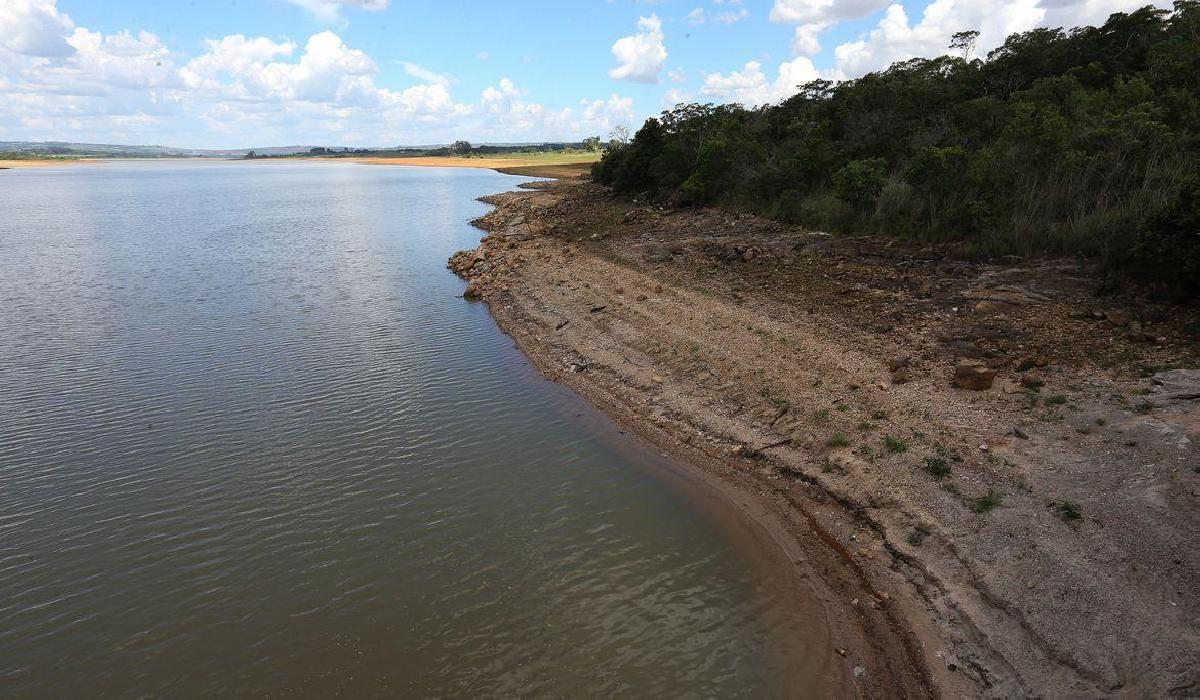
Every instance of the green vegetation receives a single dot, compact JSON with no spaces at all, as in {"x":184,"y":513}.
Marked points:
{"x":986,"y":502}
{"x":1081,"y":141}
{"x":937,"y":467}
{"x":895,"y":445}
{"x":838,"y":440}
{"x":1067,"y":510}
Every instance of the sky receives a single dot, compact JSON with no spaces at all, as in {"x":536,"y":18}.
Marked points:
{"x":247,"y":73}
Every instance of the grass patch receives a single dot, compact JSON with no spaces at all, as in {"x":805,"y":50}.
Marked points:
{"x":838,"y":440}
{"x":894,"y":445}
{"x":985,"y":503}
{"x":1067,"y":510}
{"x":937,"y":467}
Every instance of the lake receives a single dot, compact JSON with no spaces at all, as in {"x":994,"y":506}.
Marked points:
{"x":253,"y":442}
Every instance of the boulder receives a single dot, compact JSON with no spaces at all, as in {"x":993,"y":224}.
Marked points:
{"x":1028,"y":362}
{"x":973,"y":376}
{"x":1118,"y":317}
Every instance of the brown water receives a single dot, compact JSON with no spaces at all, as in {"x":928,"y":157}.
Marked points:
{"x":253,"y":443}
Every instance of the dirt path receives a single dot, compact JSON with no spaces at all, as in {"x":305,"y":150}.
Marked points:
{"x":1037,"y":537}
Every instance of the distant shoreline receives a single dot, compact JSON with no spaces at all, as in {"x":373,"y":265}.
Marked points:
{"x":532,"y":166}
{"x":38,"y":162}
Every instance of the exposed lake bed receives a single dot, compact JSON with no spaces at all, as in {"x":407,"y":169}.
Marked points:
{"x":256,"y":443}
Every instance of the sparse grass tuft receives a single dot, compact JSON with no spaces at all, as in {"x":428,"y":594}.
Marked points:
{"x":1067,"y":510}
{"x":1056,"y":400}
{"x":895,"y":445}
{"x":879,"y":415}
{"x":866,"y":426}
{"x":838,"y":440}
{"x":822,"y":415}
{"x":985,"y":503}
{"x":937,"y":467}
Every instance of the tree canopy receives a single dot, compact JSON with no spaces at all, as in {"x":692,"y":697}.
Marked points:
{"x":1083,"y":141}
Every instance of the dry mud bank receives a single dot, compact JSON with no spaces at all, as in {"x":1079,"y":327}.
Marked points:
{"x":991,"y":476}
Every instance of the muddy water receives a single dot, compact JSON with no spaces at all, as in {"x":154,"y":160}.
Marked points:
{"x":252,"y":442}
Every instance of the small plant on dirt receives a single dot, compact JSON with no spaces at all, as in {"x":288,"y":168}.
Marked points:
{"x":838,"y":440}
{"x":842,"y":407}
{"x":986,"y":503}
{"x":1056,"y":400}
{"x":828,"y":468}
{"x":1101,"y":422}
{"x":948,"y":453}
{"x":937,"y":467}
{"x":781,"y":404}
{"x":822,"y":415}
{"x":1143,"y":407}
{"x":866,"y":426}
{"x":951,"y":488}
{"x":895,"y":445}
{"x":879,"y":415}
{"x":1067,"y":510}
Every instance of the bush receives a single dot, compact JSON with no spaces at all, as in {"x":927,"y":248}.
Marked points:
{"x":1080,"y":142}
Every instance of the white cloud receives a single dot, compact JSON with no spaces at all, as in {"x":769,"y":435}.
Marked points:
{"x":35,"y":28}
{"x":750,"y":86}
{"x":422,"y":73}
{"x":330,"y":10}
{"x":816,"y":16}
{"x":895,"y":38}
{"x":247,"y":91}
{"x":640,"y":57}
{"x":731,"y":16}
{"x":696,"y":17}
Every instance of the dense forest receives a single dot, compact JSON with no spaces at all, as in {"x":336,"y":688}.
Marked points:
{"x":1084,"y":142}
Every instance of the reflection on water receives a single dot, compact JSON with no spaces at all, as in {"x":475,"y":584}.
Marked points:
{"x":251,"y":441}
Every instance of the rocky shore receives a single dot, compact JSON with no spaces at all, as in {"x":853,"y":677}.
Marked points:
{"x":990,"y":475}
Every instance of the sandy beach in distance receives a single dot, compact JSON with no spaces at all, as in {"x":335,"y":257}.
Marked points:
{"x":556,"y":165}
{"x":36,"y":163}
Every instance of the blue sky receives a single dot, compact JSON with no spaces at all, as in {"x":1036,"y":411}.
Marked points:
{"x":241,"y":73}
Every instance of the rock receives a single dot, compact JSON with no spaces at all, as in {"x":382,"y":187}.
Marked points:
{"x":598,"y":308}
{"x":1028,"y":362}
{"x":1137,"y":335}
{"x":972,"y":376}
{"x":900,"y":375}
{"x":748,"y":255}
{"x":1021,"y":434}
{"x":1118,"y":317}
{"x":658,"y":289}
{"x":1032,"y":381}
{"x":898,"y":363}
{"x":642,"y":297}
{"x":472,"y":291}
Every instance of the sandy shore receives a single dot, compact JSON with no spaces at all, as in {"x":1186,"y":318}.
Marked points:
{"x":552,"y":165}
{"x":37,"y":163}
{"x":1033,"y":538}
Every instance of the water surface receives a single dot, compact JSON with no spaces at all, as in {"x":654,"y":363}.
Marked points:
{"x":252,"y":442}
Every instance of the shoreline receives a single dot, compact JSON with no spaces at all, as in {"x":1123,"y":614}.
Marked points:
{"x":593,"y":291}
{"x":39,"y":163}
